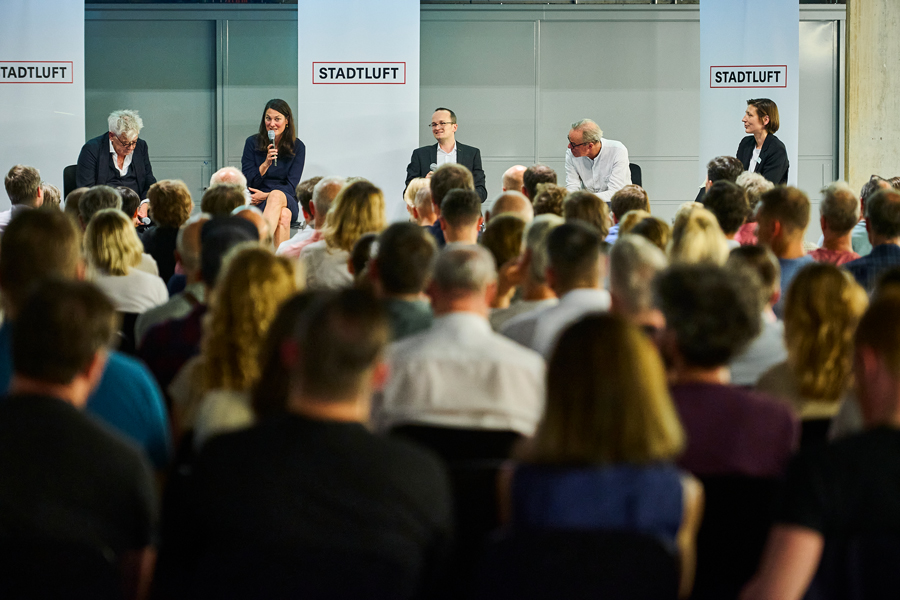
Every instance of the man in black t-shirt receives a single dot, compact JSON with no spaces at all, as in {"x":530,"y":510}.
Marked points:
{"x":850,"y":488}
{"x":308,"y":503}
{"x":68,"y":483}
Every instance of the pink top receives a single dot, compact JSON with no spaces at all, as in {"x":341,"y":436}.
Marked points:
{"x":833,"y":256}
{"x":293,"y":250}
{"x":746,"y":235}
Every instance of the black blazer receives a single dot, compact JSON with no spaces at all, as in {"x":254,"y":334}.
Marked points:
{"x":467,"y":156}
{"x":773,"y":158}
{"x":93,"y":164}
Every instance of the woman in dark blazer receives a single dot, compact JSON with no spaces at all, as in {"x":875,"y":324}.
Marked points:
{"x":273,"y":170}
{"x":761,"y":152}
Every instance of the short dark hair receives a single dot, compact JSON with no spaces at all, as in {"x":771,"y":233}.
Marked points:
{"x":587,"y":207}
{"x":766,"y":108}
{"x":711,"y":311}
{"x":452,"y":114}
{"x":217,"y":237}
{"x":871,"y":186}
{"x":574,"y":250}
{"x":461,"y":208}
{"x":763,"y":262}
{"x":22,"y":184}
{"x":405,"y":258}
{"x":304,"y":192}
{"x":534,"y":175}
{"x":362,"y":252}
{"x":449,"y":176}
{"x":549,"y":199}
{"x":630,"y":197}
{"x":60,"y":328}
{"x":37,"y":245}
{"x":130,"y":200}
{"x":338,"y":339}
{"x":220,"y":199}
{"x":726,"y":168}
{"x":503,"y":238}
{"x":728,"y":201}
{"x":883,"y":213}
{"x":96,"y":199}
{"x":786,"y":204}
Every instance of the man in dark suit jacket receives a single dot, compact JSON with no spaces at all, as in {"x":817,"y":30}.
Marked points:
{"x":102,"y":158}
{"x":425,"y":159}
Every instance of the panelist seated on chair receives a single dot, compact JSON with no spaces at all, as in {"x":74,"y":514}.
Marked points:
{"x":117,"y":157}
{"x":426,"y":159}
{"x":595,"y":163}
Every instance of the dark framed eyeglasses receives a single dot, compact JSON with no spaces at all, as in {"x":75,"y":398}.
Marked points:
{"x":440,"y":124}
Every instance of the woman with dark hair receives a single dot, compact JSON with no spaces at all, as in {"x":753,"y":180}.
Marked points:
{"x":603,"y":454}
{"x":273,"y":164}
{"x":761,"y":152}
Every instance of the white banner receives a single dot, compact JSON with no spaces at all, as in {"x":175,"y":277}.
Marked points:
{"x":748,"y":49}
{"x":41,"y":86}
{"x":358,"y":96}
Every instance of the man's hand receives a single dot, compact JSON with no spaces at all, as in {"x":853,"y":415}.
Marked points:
{"x":142,"y":211}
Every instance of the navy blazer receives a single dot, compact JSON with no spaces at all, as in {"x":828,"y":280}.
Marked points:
{"x":283,"y":177}
{"x":467,"y":156}
{"x":773,"y":158}
{"x":93,"y":164}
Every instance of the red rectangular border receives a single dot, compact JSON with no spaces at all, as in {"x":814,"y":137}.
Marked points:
{"x":734,"y":87}
{"x":358,"y":62}
{"x":54,"y":62}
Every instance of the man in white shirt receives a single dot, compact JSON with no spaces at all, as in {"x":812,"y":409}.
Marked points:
{"x":576,"y":269}
{"x":460,"y":374}
{"x":595,"y":163}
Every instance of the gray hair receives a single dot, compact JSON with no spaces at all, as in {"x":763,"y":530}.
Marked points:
{"x":125,"y":121}
{"x":590,"y":131}
{"x":96,"y":199}
{"x":534,"y":238}
{"x":839,"y":207}
{"x":228,"y":175}
{"x":633,"y":263}
{"x":325,"y":192}
{"x":464,"y":267}
{"x":756,"y":185}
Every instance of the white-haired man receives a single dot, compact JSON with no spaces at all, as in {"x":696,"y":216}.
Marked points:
{"x":233,"y":176}
{"x":459,"y":374}
{"x":595,"y":163}
{"x":117,"y":157}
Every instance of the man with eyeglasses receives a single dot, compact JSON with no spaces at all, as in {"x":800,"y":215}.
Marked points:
{"x":594,"y":163}
{"x":118,"y":157}
{"x":447,"y":150}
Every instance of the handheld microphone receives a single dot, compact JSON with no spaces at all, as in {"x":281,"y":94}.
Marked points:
{"x":433,"y":167}
{"x":272,"y":139}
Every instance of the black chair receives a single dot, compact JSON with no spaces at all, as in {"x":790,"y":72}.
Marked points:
{"x":460,"y":444}
{"x":68,"y":180}
{"x":127,"y":341}
{"x":635,"y":174}
{"x":32,"y":569}
{"x":576,"y":565}
{"x":737,"y":515}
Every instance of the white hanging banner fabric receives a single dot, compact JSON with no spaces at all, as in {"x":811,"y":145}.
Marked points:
{"x":358,"y":96}
{"x":41,"y":86}
{"x":748,"y":49}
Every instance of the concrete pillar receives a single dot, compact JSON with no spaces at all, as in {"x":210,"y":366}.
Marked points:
{"x":872,"y":132}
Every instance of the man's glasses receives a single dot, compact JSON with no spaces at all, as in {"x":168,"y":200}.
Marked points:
{"x":441,"y":124}
{"x":574,"y":145}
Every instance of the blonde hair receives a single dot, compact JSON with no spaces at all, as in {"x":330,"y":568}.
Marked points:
{"x":630,"y":219}
{"x":416,"y":184}
{"x":607,"y":399}
{"x":697,"y":238}
{"x":823,"y":306}
{"x":253,"y":285}
{"x":358,"y":209}
{"x":111,"y":243}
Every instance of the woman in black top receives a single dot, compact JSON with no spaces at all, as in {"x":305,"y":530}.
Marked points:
{"x":761,"y":152}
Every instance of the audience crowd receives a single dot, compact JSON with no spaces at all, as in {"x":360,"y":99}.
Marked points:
{"x":193,"y":408}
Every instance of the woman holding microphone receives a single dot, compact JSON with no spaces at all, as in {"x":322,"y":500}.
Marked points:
{"x":761,"y":152}
{"x":273,"y":164}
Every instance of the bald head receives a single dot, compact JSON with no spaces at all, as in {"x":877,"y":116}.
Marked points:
{"x":187,"y":248}
{"x":252,"y":214}
{"x":512,"y":202}
{"x":228,"y":175}
{"x":512,"y":179}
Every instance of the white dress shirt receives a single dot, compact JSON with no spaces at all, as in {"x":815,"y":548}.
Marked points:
{"x":446,"y":157}
{"x":461,"y":374}
{"x":124,"y":170}
{"x":604,"y":175}
{"x":571,"y":307}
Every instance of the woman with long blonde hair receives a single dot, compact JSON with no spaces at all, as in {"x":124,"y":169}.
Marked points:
{"x":357,"y":210}
{"x":822,"y":309}
{"x":211,"y":393}
{"x":602,"y":456}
